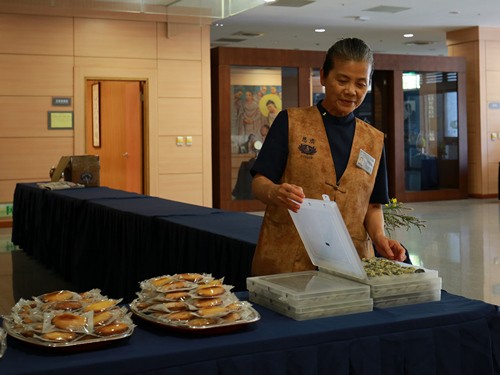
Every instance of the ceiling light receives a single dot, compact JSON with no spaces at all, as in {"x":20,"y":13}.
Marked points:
{"x":362,"y":18}
{"x":408,"y":35}
{"x":269,"y":1}
{"x":319,"y":30}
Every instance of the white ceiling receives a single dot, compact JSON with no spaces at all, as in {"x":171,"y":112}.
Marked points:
{"x":292,"y":27}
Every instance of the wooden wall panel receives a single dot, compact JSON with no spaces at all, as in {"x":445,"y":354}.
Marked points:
{"x":180,"y":116}
{"x":7,"y":188}
{"x":182,"y":187}
{"x":114,"y":38}
{"x":492,"y":55}
{"x":492,"y":86}
{"x":179,"y":79}
{"x":31,"y":158}
{"x":179,"y":41}
{"x":493,"y":152}
{"x":45,"y":56}
{"x":179,"y":159}
{"x":115,"y":63}
{"x":25,"y":34}
{"x":492,"y":187}
{"x":18,"y":122}
{"x":25,"y":75}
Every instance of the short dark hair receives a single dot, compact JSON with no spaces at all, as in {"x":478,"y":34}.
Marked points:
{"x":347,"y":49}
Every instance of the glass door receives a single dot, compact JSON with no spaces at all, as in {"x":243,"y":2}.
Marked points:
{"x":431,"y":136}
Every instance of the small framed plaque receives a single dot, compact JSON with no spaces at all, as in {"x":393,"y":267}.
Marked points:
{"x":60,"y":120}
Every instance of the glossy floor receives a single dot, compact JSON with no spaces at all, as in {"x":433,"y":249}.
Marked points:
{"x":461,"y":240}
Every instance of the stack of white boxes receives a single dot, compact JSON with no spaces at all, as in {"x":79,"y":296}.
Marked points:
{"x":341,"y":286}
{"x":309,"y":294}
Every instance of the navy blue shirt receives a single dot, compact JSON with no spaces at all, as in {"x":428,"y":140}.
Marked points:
{"x":273,"y":156}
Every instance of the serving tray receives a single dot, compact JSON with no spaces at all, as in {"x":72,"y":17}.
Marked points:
{"x":252,"y":316}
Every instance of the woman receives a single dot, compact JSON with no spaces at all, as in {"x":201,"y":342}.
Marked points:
{"x":320,"y":150}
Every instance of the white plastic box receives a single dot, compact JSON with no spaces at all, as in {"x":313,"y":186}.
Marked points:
{"x":341,"y":286}
{"x":330,"y":247}
{"x":309,"y":294}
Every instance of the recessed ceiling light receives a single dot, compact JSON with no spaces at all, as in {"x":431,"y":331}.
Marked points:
{"x":362,"y":18}
{"x":408,"y":35}
{"x":319,"y":30}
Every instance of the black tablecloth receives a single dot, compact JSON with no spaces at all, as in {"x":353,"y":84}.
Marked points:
{"x":100,"y":237}
{"x":455,"y":336}
{"x":110,"y":239}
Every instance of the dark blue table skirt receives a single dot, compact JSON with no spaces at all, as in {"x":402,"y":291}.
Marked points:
{"x":111,"y":239}
{"x":455,"y":336}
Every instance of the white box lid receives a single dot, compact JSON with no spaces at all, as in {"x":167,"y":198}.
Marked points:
{"x":326,"y":239}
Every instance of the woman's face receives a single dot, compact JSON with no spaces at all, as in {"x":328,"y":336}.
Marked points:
{"x":346,"y":86}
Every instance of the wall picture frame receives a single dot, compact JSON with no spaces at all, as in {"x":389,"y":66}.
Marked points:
{"x":96,"y":115}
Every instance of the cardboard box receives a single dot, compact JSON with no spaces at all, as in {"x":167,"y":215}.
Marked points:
{"x":80,"y":169}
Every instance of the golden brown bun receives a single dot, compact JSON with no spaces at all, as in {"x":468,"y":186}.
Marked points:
{"x":61,"y":295}
{"x":161,"y":280}
{"x":59,"y":336}
{"x":100,"y":305}
{"x":199,"y":322}
{"x":177,"y":296}
{"x":231,"y":317}
{"x":235,"y":306}
{"x":176,"y":285}
{"x":213,"y":311}
{"x":216,"y":282}
{"x":211,"y":291}
{"x":112,"y":329}
{"x":193,"y":277}
{"x":181,"y":315}
{"x":69,"y":322}
{"x":207,"y":302}
{"x":175,"y":306}
{"x":102,"y":317}
{"x":67,"y":305}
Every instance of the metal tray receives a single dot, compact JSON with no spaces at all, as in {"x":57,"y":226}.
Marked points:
{"x":253,"y":317}
{"x":82,"y":344}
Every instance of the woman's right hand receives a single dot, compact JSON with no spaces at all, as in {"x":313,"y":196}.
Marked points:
{"x":288,"y":195}
{"x":285,"y":195}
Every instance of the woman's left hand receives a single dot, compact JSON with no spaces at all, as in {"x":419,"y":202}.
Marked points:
{"x":390,"y":249}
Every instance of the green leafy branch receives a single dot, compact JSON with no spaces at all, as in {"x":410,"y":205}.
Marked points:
{"x":396,"y":216}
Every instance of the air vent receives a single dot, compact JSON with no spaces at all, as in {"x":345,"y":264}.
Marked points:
{"x":420,"y":43}
{"x":290,"y":3}
{"x":387,"y":9}
{"x":248,"y":34}
{"x":229,"y":40}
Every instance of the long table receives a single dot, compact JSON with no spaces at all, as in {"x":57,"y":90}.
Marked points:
{"x":111,"y":239}
{"x":455,"y":336}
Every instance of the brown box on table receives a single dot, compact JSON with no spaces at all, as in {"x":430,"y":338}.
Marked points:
{"x":80,"y":169}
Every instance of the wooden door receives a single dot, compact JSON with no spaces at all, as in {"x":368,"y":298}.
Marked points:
{"x":119,"y":137}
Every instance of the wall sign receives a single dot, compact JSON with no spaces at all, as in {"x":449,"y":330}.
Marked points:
{"x":60,"y":120}
{"x":61,"y":102}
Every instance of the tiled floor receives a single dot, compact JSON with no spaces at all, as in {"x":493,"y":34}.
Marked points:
{"x":461,"y":241}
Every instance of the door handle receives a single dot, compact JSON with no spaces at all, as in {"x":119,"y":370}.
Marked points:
{"x":125,"y":154}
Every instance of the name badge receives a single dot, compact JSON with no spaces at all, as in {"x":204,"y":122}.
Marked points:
{"x":365,"y":161}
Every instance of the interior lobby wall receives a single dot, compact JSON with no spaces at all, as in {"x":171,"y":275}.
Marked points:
{"x":481,"y":48}
{"x":44,"y":57}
